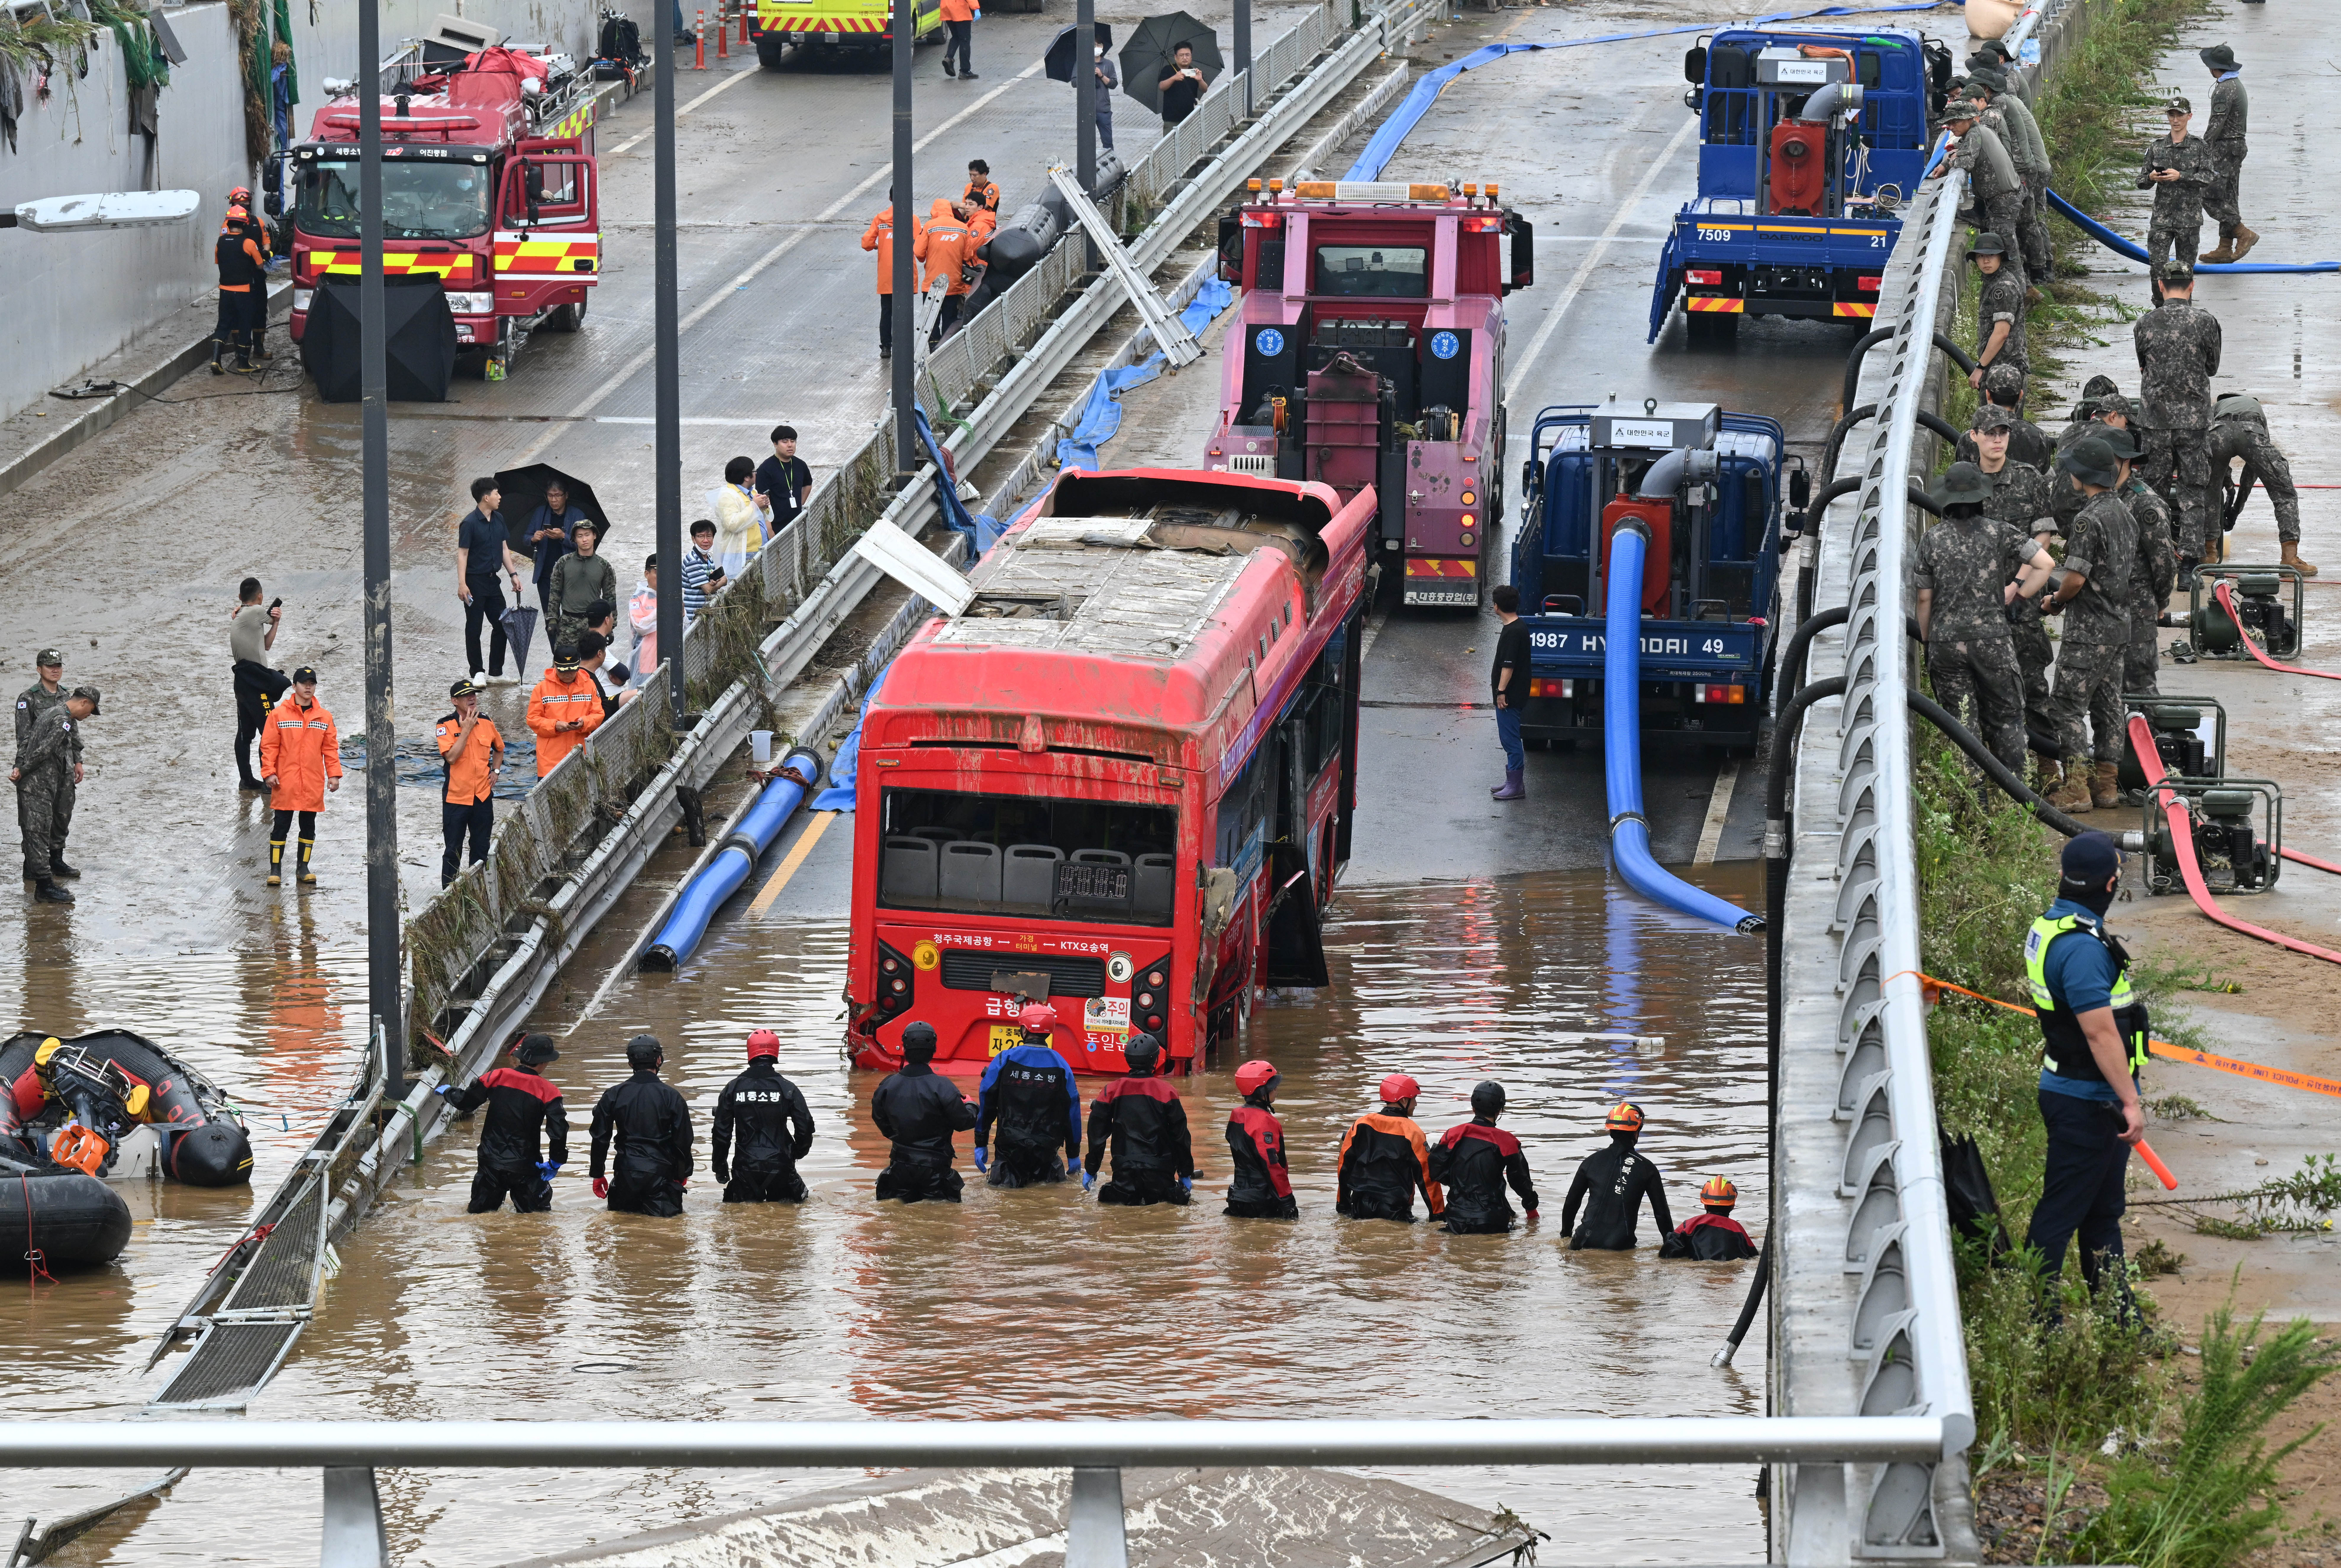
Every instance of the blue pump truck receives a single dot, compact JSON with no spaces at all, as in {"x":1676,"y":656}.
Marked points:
{"x":1710,"y":487}
{"x":1809,"y":142}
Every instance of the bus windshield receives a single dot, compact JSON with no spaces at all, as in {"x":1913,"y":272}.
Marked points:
{"x":419,"y":201}
{"x":1099,"y":860}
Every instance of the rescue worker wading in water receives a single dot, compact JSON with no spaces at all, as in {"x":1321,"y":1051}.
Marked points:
{"x":525,"y":1138}
{"x":1142,"y":1118}
{"x":1384,"y":1159}
{"x":1612,"y":1185}
{"x":1474,"y":1161}
{"x":774,"y":1126}
{"x":1713,"y":1236}
{"x":1028,"y":1099}
{"x":1263,"y":1189}
{"x":918,"y":1110}
{"x":651,"y":1125}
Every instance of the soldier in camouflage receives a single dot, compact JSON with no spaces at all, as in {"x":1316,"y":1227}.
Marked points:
{"x":1999,"y":309}
{"x":2177,"y":354}
{"x":36,"y":700}
{"x":2085,"y":411}
{"x":1970,"y":568}
{"x":1991,"y":173}
{"x":2177,"y":169}
{"x":2019,"y":498}
{"x":2231,"y":114}
{"x":1991,"y":54}
{"x":2112,"y":412}
{"x":48,"y":767}
{"x":2154,"y":573}
{"x":2011,"y":119}
{"x":2100,"y":550}
{"x":2003,"y":388}
{"x":2239,"y":430}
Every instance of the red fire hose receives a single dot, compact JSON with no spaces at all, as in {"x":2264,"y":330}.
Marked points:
{"x":2227,"y":602}
{"x":2182,"y":842}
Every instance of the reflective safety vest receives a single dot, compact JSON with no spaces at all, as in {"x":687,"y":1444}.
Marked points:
{"x":2062,"y":1042}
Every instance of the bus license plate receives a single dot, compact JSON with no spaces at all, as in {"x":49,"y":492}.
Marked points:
{"x":1005,"y":1037}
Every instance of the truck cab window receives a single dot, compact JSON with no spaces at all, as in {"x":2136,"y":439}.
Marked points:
{"x":1373,"y":272}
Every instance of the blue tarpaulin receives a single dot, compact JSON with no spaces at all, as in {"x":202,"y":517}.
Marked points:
{"x":1101,"y":416}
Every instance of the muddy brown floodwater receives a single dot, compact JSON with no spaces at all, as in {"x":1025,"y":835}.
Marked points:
{"x":1033,"y":1302}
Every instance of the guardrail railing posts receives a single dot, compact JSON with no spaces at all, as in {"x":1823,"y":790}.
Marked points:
{"x":1093,"y":1523}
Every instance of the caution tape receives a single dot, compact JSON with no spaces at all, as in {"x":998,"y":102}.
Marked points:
{"x":2168,"y":1052}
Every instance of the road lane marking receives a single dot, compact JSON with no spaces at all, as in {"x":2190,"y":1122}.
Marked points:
{"x":796,"y":857}
{"x":725,"y":85}
{"x":1718,"y":806}
{"x":1593,"y":257}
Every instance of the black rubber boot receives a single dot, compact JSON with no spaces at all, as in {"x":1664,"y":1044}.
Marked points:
{"x":57,"y":867}
{"x":48,"y":892}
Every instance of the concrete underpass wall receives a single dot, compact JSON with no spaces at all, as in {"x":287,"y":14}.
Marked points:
{"x":73,"y":300}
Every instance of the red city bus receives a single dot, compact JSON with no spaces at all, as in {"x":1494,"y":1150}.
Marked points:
{"x":1122,"y":780}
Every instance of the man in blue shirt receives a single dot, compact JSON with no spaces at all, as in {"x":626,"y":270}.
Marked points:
{"x":2093,"y":1032}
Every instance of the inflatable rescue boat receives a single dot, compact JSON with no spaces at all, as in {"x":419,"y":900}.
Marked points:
{"x":114,"y":1104}
{"x":55,"y":1216}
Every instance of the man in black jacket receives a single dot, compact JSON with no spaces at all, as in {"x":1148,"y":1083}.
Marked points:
{"x":774,"y":1126}
{"x":1141,"y":1117}
{"x":1713,"y":1236}
{"x":1262,"y":1187}
{"x":918,"y":1110}
{"x":524,"y":1117}
{"x":1029,"y":1095}
{"x":1612,"y":1185}
{"x":1385,"y":1160}
{"x":651,"y":1124}
{"x":1474,"y":1161}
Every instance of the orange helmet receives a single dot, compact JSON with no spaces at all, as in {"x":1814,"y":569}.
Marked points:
{"x":1254,"y":1075}
{"x":240,"y":196}
{"x":1625,"y":1116}
{"x":763,"y":1043}
{"x":1719,"y":1193}
{"x":1038,"y":1017}
{"x":1398,"y":1086}
{"x":238,"y":215}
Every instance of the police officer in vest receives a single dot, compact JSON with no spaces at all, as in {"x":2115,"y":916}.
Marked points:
{"x":2093,"y":1030}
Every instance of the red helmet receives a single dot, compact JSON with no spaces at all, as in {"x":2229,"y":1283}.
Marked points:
{"x":1254,"y":1075}
{"x":1038,"y":1017}
{"x":237,"y":215}
{"x":1398,"y":1086}
{"x":1626,"y":1117}
{"x":1719,"y":1193}
{"x":763,"y":1043}
{"x":240,"y":195}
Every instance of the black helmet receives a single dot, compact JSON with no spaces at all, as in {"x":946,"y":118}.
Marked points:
{"x":1487,"y":1098}
{"x":919,"y":1043}
{"x":644,"y":1051}
{"x":536,"y":1050}
{"x":1142,"y":1053}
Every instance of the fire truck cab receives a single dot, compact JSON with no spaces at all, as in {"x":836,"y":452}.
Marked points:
{"x":1367,"y":352}
{"x":488,"y":184}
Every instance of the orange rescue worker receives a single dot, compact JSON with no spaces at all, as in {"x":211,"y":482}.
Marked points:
{"x":243,"y":292}
{"x":564,"y":709}
{"x":475,"y":750}
{"x":1385,"y":1158}
{"x":880,"y":237}
{"x":1713,"y":1236}
{"x":299,"y":760}
{"x":946,"y":247}
{"x":258,"y":228}
{"x":981,"y":194}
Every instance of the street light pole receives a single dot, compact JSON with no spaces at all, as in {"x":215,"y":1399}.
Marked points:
{"x":384,"y":982}
{"x":902,"y":16}
{"x":1085,"y":86}
{"x":668,"y":489}
{"x":1243,"y":50}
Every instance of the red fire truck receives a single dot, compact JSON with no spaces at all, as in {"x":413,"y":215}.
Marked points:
{"x":1372,"y":355}
{"x":1121,"y":781}
{"x":488,"y":182}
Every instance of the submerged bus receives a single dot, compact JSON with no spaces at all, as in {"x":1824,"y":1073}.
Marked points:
{"x":1121,"y":781}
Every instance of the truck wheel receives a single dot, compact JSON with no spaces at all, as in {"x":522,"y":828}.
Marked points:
{"x":563,"y":319}
{"x":770,"y":49}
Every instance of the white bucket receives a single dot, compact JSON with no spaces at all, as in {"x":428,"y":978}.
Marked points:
{"x":760,"y":748}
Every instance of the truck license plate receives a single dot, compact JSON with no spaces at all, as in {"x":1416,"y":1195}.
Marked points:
{"x":1006,"y":1036}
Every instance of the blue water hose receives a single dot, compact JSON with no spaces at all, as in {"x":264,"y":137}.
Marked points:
{"x":722,"y":877}
{"x":2122,"y":247}
{"x":1622,"y":741}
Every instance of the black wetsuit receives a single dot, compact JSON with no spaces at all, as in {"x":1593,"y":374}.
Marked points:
{"x":1384,"y":1160}
{"x":1262,"y":1187}
{"x":525,"y":1114}
{"x":918,"y":1110}
{"x":774,"y":1128}
{"x":1029,"y":1099}
{"x":652,"y":1160}
{"x":1612,"y":1185}
{"x":1473,"y":1162}
{"x":1146,"y":1124}
{"x":1710,"y":1239}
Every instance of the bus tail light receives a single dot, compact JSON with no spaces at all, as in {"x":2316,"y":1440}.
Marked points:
{"x":1552,"y":687}
{"x":1719,"y":694}
{"x":897,"y":983}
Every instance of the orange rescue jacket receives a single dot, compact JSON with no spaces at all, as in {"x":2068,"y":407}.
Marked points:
{"x":300,"y":749}
{"x":553,"y":704}
{"x":945,"y":245}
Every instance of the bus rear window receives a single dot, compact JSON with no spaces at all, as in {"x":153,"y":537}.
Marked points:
{"x":1373,"y":272}
{"x":1024,"y":855}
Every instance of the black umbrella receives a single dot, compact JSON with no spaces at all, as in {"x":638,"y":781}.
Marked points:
{"x":523,"y":492}
{"x":1060,"y":50}
{"x":1146,"y":58}
{"x":419,"y":344}
{"x":519,"y":629}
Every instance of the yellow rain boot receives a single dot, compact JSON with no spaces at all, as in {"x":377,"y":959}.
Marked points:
{"x":275,"y":862}
{"x":308,"y":878}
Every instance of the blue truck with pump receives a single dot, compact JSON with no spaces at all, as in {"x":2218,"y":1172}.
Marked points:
{"x":1711,"y":488}
{"x":1810,"y":142}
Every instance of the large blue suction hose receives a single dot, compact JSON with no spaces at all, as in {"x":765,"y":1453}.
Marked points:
{"x":722,"y":877}
{"x":1621,"y":740}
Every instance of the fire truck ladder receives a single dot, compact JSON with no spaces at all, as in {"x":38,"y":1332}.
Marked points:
{"x":1171,"y":334}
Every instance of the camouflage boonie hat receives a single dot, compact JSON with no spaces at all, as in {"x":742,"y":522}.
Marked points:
{"x":2178,"y":106}
{"x":2090,"y":461}
{"x":1987,"y":245}
{"x":2122,"y":443}
{"x":2098,"y":386}
{"x":2178,"y":270}
{"x":1991,"y":416}
{"x":1962,"y":485}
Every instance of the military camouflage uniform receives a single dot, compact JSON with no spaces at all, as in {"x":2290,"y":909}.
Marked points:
{"x":2231,"y":113}
{"x":2011,"y":119}
{"x":2102,"y":546}
{"x":2002,"y":299}
{"x":2154,"y":575}
{"x":2019,"y":498}
{"x":31,"y":703}
{"x":2027,"y":443}
{"x":1965,"y":563}
{"x":2178,"y":222}
{"x":45,"y":761}
{"x":2177,"y":354}
{"x":1998,"y":191}
{"x":2240,"y":430}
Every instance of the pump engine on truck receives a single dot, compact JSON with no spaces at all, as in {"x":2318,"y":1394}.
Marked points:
{"x":1371,"y":334}
{"x":1710,"y":487}
{"x":489,"y":184}
{"x":1810,"y":142}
